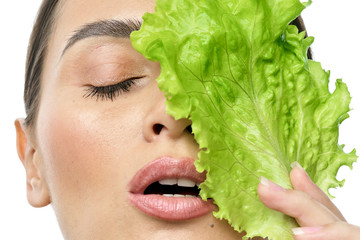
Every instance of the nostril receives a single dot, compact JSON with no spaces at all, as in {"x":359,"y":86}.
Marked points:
{"x":157,"y":128}
{"x":189,"y":129}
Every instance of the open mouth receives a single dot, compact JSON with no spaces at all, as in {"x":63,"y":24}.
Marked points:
{"x":167,"y":188}
{"x":173,"y":187}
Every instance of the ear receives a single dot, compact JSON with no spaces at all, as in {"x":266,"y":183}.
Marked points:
{"x":36,"y":186}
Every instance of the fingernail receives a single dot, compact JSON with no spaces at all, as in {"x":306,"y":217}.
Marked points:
{"x":273,"y":186}
{"x":305,"y":230}
{"x":296,"y":164}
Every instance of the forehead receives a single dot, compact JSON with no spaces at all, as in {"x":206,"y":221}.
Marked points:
{"x":78,"y":12}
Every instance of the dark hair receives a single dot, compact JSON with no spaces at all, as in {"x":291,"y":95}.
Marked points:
{"x":37,"y":49}
{"x":299,"y":23}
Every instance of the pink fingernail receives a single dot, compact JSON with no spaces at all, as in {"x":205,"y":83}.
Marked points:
{"x":305,"y":230}
{"x":296,"y":164}
{"x":273,"y":186}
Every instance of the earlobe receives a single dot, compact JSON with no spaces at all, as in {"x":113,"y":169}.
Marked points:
{"x":36,"y":186}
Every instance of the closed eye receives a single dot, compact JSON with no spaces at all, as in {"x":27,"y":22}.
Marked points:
{"x":110,"y":92}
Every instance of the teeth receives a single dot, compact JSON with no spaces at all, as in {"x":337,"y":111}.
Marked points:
{"x":178,"y":195}
{"x":168,"y":195}
{"x":185,"y":182}
{"x":182,"y":182}
{"x":169,"y":181}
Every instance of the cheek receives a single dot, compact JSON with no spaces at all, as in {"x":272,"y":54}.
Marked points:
{"x":86,"y":151}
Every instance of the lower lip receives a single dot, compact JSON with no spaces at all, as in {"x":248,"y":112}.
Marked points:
{"x":171,"y":208}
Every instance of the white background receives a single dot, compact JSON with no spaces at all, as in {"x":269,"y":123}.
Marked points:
{"x":334,"y":23}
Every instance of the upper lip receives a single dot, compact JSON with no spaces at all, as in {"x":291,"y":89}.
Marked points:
{"x":163,"y":168}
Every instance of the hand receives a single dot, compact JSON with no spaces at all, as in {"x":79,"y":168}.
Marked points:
{"x":317,"y":216}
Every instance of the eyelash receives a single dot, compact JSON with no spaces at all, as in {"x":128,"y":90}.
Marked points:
{"x":110,"y":92}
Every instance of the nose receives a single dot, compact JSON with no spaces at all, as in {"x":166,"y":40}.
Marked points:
{"x":158,"y":123}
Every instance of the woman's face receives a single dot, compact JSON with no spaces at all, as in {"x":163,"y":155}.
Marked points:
{"x":97,"y":149}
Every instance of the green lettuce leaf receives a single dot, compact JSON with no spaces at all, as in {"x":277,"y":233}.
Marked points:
{"x":240,"y":72}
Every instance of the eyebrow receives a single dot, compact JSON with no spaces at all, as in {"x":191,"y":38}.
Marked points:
{"x":111,"y":28}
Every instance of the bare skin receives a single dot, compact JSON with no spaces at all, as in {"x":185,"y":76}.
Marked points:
{"x":82,"y":151}
{"x":316,"y":215}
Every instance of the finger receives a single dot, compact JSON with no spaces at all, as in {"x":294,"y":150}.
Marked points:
{"x":305,"y":209}
{"x":333,"y":231}
{"x":302,"y":182}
